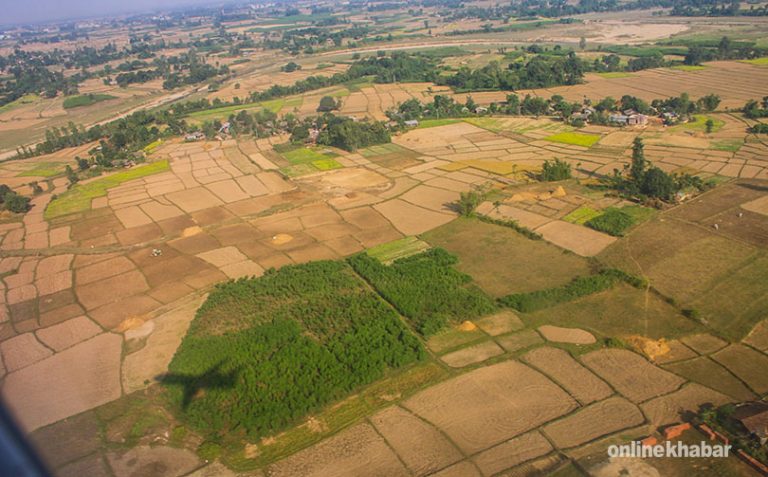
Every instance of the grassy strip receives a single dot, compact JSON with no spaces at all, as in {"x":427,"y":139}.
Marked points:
{"x":389,"y":252}
{"x":85,"y":100}
{"x":577,"y":288}
{"x":26,"y":99}
{"x":433,"y":123}
{"x":574,"y":138}
{"x":44,"y":169}
{"x":512,"y":224}
{"x":79,"y":197}
{"x":582,"y":215}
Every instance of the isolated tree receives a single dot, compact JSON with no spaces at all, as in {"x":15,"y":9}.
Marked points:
{"x":639,"y":163}
{"x":583,"y":43}
{"x":556,"y":170}
{"x":327,"y":103}
{"x":709,"y":125}
{"x":658,"y":184}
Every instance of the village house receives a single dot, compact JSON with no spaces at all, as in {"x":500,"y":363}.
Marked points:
{"x":412,"y":123}
{"x":753,"y":416}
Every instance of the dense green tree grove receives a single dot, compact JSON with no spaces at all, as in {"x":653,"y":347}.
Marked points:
{"x":425,"y":288}
{"x":263,"y":353}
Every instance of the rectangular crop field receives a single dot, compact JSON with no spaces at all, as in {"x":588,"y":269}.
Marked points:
{"x":574,"y":138}
{"x":502,"y":261}
{"x":78,"y":198}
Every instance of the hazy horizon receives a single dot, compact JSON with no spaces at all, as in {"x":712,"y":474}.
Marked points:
{"x":35,"y":11}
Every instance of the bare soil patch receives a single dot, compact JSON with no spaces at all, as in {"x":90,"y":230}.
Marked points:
{"x":410,"y":219}
{"x":566,"y":371}
{"x":520,"y":340}
{"x":596,"y":420}
{"x":513,"y":452}
{"x":580,"y":240}
{"x":500,"y":323}
{"x":358,"y":450}
{"x":472,"y":354}
{"x":747,"y":364}
{"x":681,"y":404}
{"x":489,"y":405}
{"x":422,"y":447}
{"x":630,"y":374}
{"x":704,"y":343}
{"x":704,"y":370}
{"x":559,"y":334}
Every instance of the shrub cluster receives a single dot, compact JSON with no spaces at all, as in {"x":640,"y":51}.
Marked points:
{"x":613,"y":222}
{"x":577,"y":288}
{"x":263,"y":353}
{"x":425,"y":288}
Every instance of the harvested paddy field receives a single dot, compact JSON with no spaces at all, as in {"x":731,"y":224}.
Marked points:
{"x":630,"y":374}
{"x":502,"y":261}
{"x":702,"y":267}
{"x":515,"y":399}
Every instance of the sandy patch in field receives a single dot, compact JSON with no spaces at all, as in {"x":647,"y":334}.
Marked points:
{"x":410,"y":219}
{"x":281,"y":239}
{"x":489,"y":405}
{"x":675,"y":407}
{"x":566,"y":335}
{"x":672,"y":351}
{"x":630,"y":374}
{"x":500,"y":323}
{"x":358,"y":450}
{"x":422,"y":447}
{"x":577,"y":239}
{"x":472,"y":354}
{"x":566,"y":371}
{"x":596,"y":420}
{"x":747,"y":364}
{"x":511,"y":453}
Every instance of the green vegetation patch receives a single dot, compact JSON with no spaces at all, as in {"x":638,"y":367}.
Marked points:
{"x":574,"y":138}
{"x":578,"y":287}
{"x":757,"y":61}
{"x":582,"y":215}
{"x":150,"y":148}
{"x":688,"y":67}
{"x":405,"y":247}
{"x":26,"y":99}
{"x":79,"y":197}
{"x":617,"y":221}
{"x":615,"y":74}
{"x":613,"y":222}
{"x":264,"y":352}
{"x":326,"y":164}
{"x":730,"y":145}
{"x":425,"y":288}
{"x":43,"y":169}
{"x":381,"y":150}
{"x":699,"y":123}
{"x":304,"y":155}
{"x":491,"y":124}
{"x":85,"y":100}
{"x":433,"y":123}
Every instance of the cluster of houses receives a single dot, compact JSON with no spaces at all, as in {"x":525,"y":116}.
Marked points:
{"x":628,"y":117}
